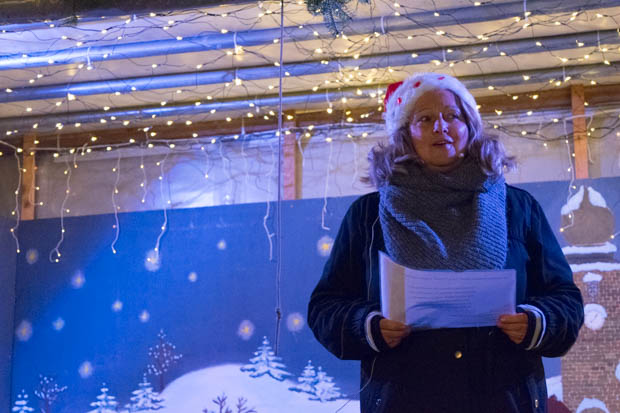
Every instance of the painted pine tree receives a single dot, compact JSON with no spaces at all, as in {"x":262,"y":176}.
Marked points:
{"x":163,"y":356}
{"x":324,"y":388}
{"x":266,"y":362}
{"x":21,"y":404}
{"x":306,"y":381}
{"x":145,"y":399}
{"x":48,"y":392}
{"x":105,"y":403}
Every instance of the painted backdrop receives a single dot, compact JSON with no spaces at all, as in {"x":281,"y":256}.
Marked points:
{"x":190,"y":326}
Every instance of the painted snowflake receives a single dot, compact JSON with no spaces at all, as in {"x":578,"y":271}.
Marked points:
{"x":32,"y":256}
{"x":78,"y":280}
{"x":85,"y":370}
{"x":58,"y":324}
{"x":144,"y":316}
{"x":246,"y":330}
{"x":324,"y":245}
{"x":24,"y":331}
{"x":295,"y":322}
{"x":117,"y":306}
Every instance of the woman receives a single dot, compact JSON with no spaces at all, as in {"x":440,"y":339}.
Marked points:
{"x":442,"y":203}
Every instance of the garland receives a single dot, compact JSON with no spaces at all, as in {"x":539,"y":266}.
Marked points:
{"x":334,"y":13}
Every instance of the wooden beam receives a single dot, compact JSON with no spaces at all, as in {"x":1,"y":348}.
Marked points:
{"x":290,"y":156}
{"x":28,"y":187}
{"x":289,"y":166}
{"x":163,"y":132}
{"x":548,"y":99}
{"x":580,"y":137}
{"x":321,"y":117}
{"x":602,"y":95}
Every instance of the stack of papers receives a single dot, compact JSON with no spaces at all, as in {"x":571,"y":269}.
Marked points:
{"x":445,"y":299}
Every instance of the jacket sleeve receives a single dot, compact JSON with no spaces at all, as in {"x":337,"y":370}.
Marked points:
{"x":338,"y":305}
{"x":551,"y":288}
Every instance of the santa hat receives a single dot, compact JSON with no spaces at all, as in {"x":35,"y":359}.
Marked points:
{"x":400,"y":97}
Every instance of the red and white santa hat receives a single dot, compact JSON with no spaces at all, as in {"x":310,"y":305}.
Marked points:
{"x":400,"y":97}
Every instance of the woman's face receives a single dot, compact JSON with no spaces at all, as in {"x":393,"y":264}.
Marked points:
{"x":438,"y":130}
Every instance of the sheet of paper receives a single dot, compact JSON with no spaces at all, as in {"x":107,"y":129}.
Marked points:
{"x":445,"y":299}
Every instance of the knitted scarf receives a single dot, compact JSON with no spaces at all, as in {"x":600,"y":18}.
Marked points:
{"x":445,"y":221}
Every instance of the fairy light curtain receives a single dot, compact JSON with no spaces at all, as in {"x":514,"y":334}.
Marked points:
{"x":162,"y":81}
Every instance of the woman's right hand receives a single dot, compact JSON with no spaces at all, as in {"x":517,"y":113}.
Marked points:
{"x":393,"y":332}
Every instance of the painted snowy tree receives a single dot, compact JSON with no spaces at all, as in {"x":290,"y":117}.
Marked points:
{"x":266,"y":362}
{"x":145,"y":399}
{"x":325,"y":389}
{"x":163,"y":356}
{"x":48,"y":392}
{"x":105,"y":403}
{"x":220,"y":402}
{"x":21,"y":404}
{"x":306,"y":381}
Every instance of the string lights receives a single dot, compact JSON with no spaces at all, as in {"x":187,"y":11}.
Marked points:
{"x":329,"y":140}
{"x":117,"y":171}
{"x":144,"y":180}
{"x":166,"y":204}
{"x":55,"y":254}
{"x":185,"y":94}
{"x":16,"y":212}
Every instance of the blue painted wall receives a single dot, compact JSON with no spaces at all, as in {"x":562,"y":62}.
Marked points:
{"x":226,"y":247}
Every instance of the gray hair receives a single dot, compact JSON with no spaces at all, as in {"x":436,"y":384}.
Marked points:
{"x":386,"y":159}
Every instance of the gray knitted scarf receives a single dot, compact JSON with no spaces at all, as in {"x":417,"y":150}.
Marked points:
{"x":445,"y":221}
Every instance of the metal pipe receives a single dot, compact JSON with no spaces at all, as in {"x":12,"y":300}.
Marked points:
{"x":293,"y":100}
{"x":459,"y":53}
{"x":215,"y":41}
{"x":23,"y":11}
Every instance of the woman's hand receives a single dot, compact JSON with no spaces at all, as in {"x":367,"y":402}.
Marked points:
{"x":393,"y":332}
{"x":514,"y":326}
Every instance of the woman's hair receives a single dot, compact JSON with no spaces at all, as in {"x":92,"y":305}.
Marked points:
{"x":386,"y":159}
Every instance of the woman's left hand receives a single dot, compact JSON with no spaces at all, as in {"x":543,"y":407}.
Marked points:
{"x":514,"y":326}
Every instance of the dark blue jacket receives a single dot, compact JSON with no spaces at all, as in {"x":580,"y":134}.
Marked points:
{"x":468,"y":370}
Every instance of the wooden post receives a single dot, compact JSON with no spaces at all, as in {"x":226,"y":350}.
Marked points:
{"x":290,"y":160}
{"x":580,"y":136}
{"x":28,"y":179}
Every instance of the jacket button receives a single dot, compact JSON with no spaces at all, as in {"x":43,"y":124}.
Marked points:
{"x":458,"y":355}
{"x":378,"y":402}
{"x":536,"y":403}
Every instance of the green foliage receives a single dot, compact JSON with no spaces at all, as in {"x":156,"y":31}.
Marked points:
{"x":334,"y":13}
